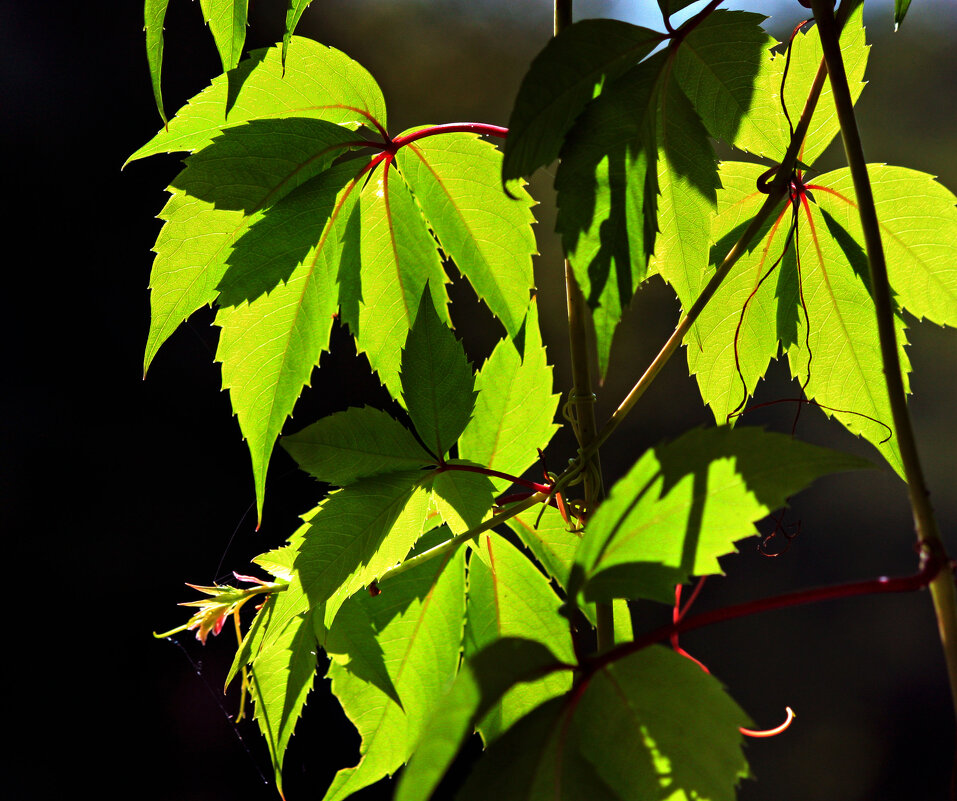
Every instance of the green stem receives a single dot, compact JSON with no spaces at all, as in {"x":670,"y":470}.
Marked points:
{"x":928,"y":535}
{"x":582,"y":398}
{"x":453,"y":543}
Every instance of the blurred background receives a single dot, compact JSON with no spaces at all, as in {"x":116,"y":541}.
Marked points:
{"x":116,"y":490}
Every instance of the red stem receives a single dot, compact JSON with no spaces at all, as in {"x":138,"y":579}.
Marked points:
{"x":487,"y":471}
{"x":883,"y":584}
{"x":451,"y":127}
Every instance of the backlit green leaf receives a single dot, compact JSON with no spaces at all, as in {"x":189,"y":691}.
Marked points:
{"x":687,"y":184}
{"x":293,"y":13}
{"x":515,"y":410}
{"x":347,"y":544}
{"x":509,"y":597}
{"x":154,"y":12}
{"x":553,"y":542}
{"x":838,"y":361}
{"x":606,"y":184}
{"x":918,"y":222}
{"x":281,"y":677}
{"x":654,"y":725}
{"x":561,"y":81}
{"x":227,"y":23}
{"x":353,"y":444}
{"x":389,"y":258}
{"x":258,"y":89}
{"x":456,"y":180}
{"x":437,"y":381}
{"x":687,"y":502}
{"x":481,"y":682}
{"x":727,"y":370}
{"x":463,"y":498}
{"x":269,"y":347}
{"x":418,"y":617}
{"x":717,"y":66}
{"x":223,"y":191}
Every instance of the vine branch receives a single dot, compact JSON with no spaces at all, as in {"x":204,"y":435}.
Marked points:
{"x":928,"y":535}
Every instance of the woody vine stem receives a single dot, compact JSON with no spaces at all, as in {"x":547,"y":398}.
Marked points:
{"x":928,"y":535}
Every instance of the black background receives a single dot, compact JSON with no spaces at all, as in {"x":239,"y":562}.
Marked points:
{"x":116,"y":490}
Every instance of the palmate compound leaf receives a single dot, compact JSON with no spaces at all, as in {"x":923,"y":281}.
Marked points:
{"x":818,"y":308}
{"x":650,"y":725}
{"x":259,"y":89}
{"x":561,"y":81}
{"x":354,"y":444}
{"x":515,"y":409}
{"x":686,"y":503}
{"x":918,"y":221}
{"x":227,"y":23}
{"x":269,"y":346}
{"x":550,"y":538}
{"x":437,"y":382}
{"x":509,"y":597}
{"x":503,"y":665}
{"x":154,"y":12}
{"x":418,"y":619}
{"x":389,"y":257}
{"x":456,"y":180}
{"x":223,"y":191}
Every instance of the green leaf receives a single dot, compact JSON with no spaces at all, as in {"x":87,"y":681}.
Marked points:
{"x":655,"y":725}
{"x":687,"y":191}
{"x":546,"y":534}
{"x":687,"y":502}
{"x":437,"y":382}
{"x":305,"y":226}
{"x":194,"y":247}
{"x":154,"y":12}
{"x":509,"y":597}
{"x":281,"y":677}
{"x":669,"y":7}
{"x":484,"y":678}
{"x":515,"y":410}
{"x":269,"y":347}
{"x":293,"y":13}
{"x":227,"y":22}
{"x":359,"y":533}
{"x":354,"y":444}
{"x":806,"y":56}
{"x":838,"y":359}
{"x":388,"y":260}
{"x":538,"y":759}
{"x":606,"y":196}
{"x":900,"y":11}
{"x":918,"y":223}
{"x":463,"y":498}
{"x":711,"y":344}
{"x":456,"y":181}
{"x":561,"y":81}
{"x":258,"y":89}
{"x":717,"y":66}
{"x":418,"y":619}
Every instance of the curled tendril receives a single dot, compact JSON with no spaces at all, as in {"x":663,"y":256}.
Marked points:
{"x":770,"y":732}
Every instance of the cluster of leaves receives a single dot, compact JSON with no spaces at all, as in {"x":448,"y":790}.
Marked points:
{"x":296,"y":208}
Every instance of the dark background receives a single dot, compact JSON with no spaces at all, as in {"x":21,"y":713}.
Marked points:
{"x":115,"y":491}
